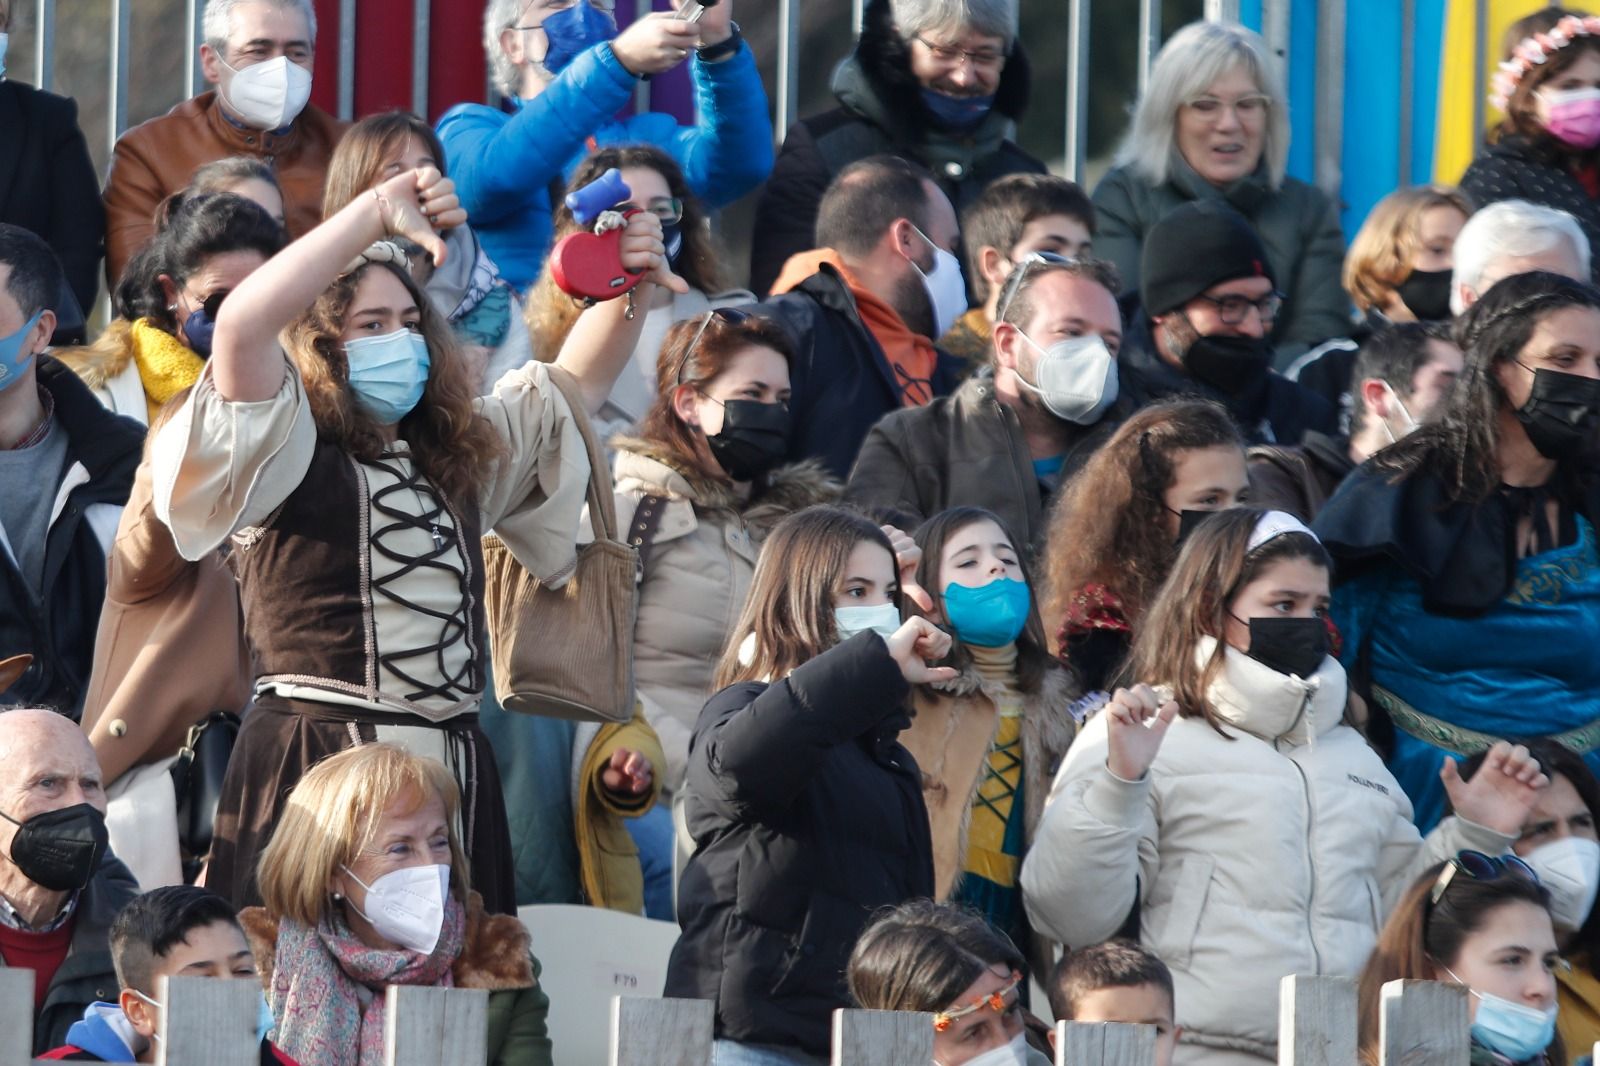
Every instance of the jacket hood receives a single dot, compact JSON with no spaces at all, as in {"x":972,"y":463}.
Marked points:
{"x":652,"y":468}
{"x":107,"y":444}
{"x":106,"y":1033}
{"x":876,"y":82}
{"x":1278,"y":708}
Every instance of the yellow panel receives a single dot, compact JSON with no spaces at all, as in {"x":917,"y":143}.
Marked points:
{"x":1453,"y":145}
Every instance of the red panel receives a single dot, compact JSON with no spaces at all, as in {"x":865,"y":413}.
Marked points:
{"x":384,"y":31}
{"x":458,"y":71}
{"x":383,"y":55}
{"x":325,"y":67}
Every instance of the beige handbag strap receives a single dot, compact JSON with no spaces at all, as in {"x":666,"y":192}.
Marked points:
{"x":602,"y":506}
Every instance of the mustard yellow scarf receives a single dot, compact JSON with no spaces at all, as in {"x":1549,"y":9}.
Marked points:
{"x":166,"y":367}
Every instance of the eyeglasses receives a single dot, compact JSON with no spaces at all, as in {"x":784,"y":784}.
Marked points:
{"x":668,"y":209}
{"x":1245,"y":107}
{"x":995,"y":1001}
{"x":550,"y":7}
{"x":1020,"y":272}
{"x":1233,"y":310}
{"x":731,"y":315}
{"x":949,"y":54}
{"x":1479,"y":867}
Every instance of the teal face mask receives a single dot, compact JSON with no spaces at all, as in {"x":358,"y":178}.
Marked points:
{"x":388,"y":373}
{"x":13,"y":361}
{"x":990,"y":616}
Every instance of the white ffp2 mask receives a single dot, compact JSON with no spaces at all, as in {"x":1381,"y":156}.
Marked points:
{"x":1570,"y":870}
{"x":1076,"y":378}
{"x":947,"y":291}
{"x":407,"y":906}
{"x":269,"y":95}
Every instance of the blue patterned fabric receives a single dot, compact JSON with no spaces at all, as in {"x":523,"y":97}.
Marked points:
{"x":1530,"y":667}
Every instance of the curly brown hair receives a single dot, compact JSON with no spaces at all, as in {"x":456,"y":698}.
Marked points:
{"x":550,"y":312}
{"x":451,"y":443}
{"x":1109,"y":525}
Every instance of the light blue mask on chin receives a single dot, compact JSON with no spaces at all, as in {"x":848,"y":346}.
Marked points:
{"x":13,"y":361}
{"x":388,"y":373}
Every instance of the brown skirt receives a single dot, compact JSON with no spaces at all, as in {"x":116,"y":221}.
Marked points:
{"x":281,"y":739}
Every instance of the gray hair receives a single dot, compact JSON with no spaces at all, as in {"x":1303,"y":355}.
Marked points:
{"x":219,"y":18}
{"x":1186,"y":67}
{"x":499,"y":16}
{"x":1512,"y":229}
{"x":992,"y":18}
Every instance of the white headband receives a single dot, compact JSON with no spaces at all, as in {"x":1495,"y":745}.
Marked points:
{"x":1275,"y":524}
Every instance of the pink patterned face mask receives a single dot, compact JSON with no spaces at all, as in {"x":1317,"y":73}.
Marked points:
{"x":1573,"y":116}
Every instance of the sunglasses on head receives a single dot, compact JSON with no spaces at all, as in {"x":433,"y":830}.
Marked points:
{"x":1020,"y":273}
{"x":731,"y":315}
{"x":1479,"y":867}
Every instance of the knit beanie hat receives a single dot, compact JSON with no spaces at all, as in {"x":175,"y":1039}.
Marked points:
{"x":1193,"y":247}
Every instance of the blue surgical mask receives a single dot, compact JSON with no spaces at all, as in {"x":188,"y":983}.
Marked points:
{"x":573,"y":32}
{"x":672,"y":237}
{"x":264,"y":1019}
{"x":13,"y":360}
{"x":388,"y":373}
{"x":1518,"y":1032}
{"x":5,"y":41}
{"x":881,"y":618}
{"x":957,"y":112}
{"x":990,"y":616}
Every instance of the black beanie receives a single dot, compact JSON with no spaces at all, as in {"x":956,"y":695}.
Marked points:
{"x":1194,"y":246}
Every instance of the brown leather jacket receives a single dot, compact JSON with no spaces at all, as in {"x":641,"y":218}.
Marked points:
{"x":157,"y":158}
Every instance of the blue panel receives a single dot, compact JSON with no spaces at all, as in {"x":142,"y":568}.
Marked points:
{"x":1303,"y":88}
{"x":1250,"y":14}
{"x":1425,"y":101}
{"x":1371,"y":152}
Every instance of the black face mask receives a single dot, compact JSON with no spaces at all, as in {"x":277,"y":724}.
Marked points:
{"x":1426,"y":294}
{"x":1561,"y":413}
{"x":1289,"y":645}
{"x":59,"y":849}
{"x":672,"y":237}
{"x":1231,"y":364}
{"x":1188,"y":522}
{"x":754,"y":438}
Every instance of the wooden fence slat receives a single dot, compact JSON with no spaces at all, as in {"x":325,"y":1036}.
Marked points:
{"x":1423,"y":1023}
{"x":16,"y":1008}
{"x":660,"y":1032}
{"x":424,"y":1026}
{"x":882,"y":1038}
{"x":1316,"y":1021}
{"x":207,"y":1021}
{"x":1105,"y":1044}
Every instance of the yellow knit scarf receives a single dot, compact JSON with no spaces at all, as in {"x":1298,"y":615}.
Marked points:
{"x":166,"y":367}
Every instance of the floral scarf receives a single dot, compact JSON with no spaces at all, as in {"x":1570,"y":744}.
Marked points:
{"x":328,"y":987}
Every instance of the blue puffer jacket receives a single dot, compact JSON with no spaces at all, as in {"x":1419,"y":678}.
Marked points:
{"x":503,"y":163}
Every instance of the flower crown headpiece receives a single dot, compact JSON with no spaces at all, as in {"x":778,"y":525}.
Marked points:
{"x":1535,"y":51}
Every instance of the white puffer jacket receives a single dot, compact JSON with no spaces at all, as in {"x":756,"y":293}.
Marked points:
{"x":1278,"y":851}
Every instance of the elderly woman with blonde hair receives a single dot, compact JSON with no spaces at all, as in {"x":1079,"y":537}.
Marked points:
{"x":1213,"y":123}
{"x":366,"y":886}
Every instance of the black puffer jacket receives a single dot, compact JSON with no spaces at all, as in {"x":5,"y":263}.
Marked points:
{"x":807,"y":815}
{"x":1517,"y":168}
{"x":881,"y":111}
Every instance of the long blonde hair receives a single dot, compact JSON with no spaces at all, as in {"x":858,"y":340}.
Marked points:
{"x":451,"y":443}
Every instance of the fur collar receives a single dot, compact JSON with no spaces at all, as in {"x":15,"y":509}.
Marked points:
{"x":495,"y":955}
{"x":883,"y":59}
{"x":98,"y":363}
{"x":651,"y":468}
{"x":1047,"y":708}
